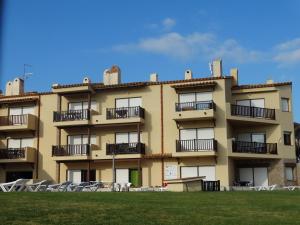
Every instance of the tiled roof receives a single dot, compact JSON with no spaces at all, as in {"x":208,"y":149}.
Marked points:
{"x":74,"y":85}
{"x":17,"y":100}
{"x":195,"y":84}
{"x":249,"y":86}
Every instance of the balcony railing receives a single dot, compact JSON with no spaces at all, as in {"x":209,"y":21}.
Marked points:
{"x":13,"y":120}
{"x":197,"y":105}
{"x":12,"y":153}
{"x":254,"y":147}
{"x":196,"y":145}
{"x":125,"y":112}
{"x":255,"y":112}
{"x":71,"y":115}
{"x":71,"y":150}
{"x":125,"y":148}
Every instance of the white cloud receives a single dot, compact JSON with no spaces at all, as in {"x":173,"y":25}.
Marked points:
{"x":287,"y":53}
{"x":204,"y":45}
{"x":168,"y":23}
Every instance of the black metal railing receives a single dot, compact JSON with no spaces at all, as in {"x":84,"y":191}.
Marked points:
{"x":210,"y":185}
{"x":13,"y":120}
{"x":71,"y":115}
{"x":255,"y":112}
{"x":197,"y":105}
{"x":12,"y":153}
{"x":70,"y":150}
{"x":125,"y":148}
{"x":125,"y":112}
{"x":254,"y":147}
{"x":196,"y":145}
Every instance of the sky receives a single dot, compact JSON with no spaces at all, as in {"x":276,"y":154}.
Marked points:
{"x":66,"y":40}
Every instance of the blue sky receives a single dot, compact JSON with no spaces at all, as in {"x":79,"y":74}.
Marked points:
{"x":66,"y":40}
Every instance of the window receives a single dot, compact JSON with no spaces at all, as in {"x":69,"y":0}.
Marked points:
{"x":126,"y":137}
{"x":289,"y":174}
{"x":128,"y":102}
{"x":197,"y":133}
{"x":252,"y":137}
{"x":252,"y":102}
{"x":20,"y":142}
{"x":81,"y":139}
{"x":82,"y":105}
{"x":23,"y":110}
{"x":287,"y":138}
{"x":195,"y":97}
{"x":284,"y":104}
{"x":198,"y":171}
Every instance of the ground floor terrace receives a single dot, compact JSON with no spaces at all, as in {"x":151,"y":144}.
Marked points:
{"x":158,"y":171}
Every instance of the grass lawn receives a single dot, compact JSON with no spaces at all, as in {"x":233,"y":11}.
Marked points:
{"x":234,"y":208}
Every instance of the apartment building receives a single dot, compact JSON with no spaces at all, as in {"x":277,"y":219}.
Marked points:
{"x":150,"y":132}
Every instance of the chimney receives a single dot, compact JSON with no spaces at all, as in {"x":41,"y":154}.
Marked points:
{"x":9,"y":88}
{"x":112,"y":75}
{"x":217,"y":68}
{"x":270,"y":81}
{"x":154,"y":77}
{"x":188,"y":75}
{"x":234,"y":73}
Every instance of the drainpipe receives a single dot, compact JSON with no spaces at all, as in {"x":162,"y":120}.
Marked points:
{"x":162,"y":133}
{"x":38,"y":139}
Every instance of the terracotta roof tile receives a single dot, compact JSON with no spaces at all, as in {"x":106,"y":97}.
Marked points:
{"x":249,"y":86}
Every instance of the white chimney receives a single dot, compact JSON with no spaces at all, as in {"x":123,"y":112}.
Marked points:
{"x":86,"y":80}
{"x":234,"y":73}
{"x":154,"y":77}
{"x":188,"y":75}
{"x":217,"y":68}
{"x":9,"y":88}
{"x":112,"y":75}
{"x":270,"y":81}
{"x":18,"y":86}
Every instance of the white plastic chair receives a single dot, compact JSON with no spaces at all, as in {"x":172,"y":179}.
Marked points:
{"x":39,"y":186}
{"x":18,"y":185}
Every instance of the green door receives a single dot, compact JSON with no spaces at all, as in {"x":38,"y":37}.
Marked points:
{"x":134,"y":177}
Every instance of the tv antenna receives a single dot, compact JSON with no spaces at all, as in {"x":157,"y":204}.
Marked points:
{"x":26,"y":75}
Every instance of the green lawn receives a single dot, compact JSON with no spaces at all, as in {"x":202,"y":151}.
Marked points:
{"x":234,"y":208}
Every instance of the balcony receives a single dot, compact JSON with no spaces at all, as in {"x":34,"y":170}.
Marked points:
{"x":71,"y":118}
{"x":198,"y":110}
{"x":70,"y":150}
{"x":18,"y":122}
{"x":120,"y":116}
{"x":249,"y":114}
{"x":10,"y":155}
{"x":196,"y":147}
{"x":125,"y":148}
{"x":254,"y":147}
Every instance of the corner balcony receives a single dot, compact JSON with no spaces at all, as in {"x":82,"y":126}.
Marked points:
{"x":198,"y":110}
{"x":196,"y":147}
{"x":71,"y":118}
{"x":249,"y":114}
{"x":120,"y":116}
{"x":13,"y":123}
{"x":16,"y":155}
{"x":71,"y":152}
{"x":253,"y":149}
{"x":125,"y":150}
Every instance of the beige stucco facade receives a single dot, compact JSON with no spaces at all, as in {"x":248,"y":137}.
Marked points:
{"x":159,"y":128}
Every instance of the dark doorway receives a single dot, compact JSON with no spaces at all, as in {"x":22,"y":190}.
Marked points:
{"x":15,"y":175}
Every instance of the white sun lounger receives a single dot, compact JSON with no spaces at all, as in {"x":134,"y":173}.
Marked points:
{"x":39,"y":186}
{"x":18,"y":185}
{"x":59,"y":187}
{"x":291,"y":188}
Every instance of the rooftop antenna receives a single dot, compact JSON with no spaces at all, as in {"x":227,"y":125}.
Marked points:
{"x":26,"y":75}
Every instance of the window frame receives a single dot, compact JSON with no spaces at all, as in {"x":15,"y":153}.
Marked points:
{"x":128,"y":101}
{"x":288,"y":104}
{"x":22,"y":109}
{"x":290,"y":138}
